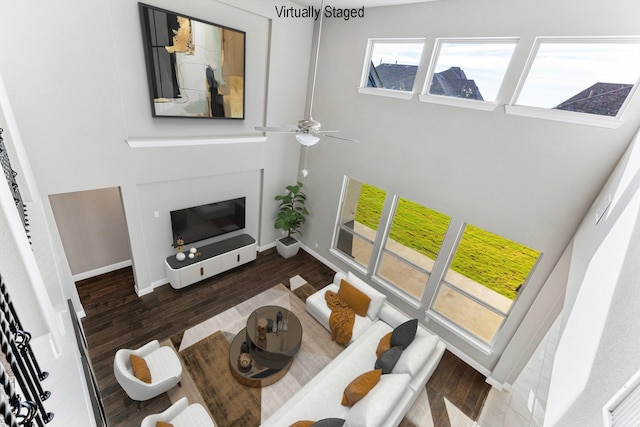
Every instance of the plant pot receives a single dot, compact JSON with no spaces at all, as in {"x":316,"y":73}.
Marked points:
{"x":287,"y":247}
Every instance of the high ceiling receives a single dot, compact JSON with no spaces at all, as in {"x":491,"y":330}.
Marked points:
{"x":358,"y":3}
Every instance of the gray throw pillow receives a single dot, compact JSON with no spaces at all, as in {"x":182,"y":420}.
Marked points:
{"x":329,"y":422}
{"x":388,"y":359}
{"x":404,"y":334}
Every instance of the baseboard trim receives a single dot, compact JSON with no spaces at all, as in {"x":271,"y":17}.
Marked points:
{"x":498,"y":385}
{"x":143,"y":292}
{"x":102,"y":270}
{"x":320,"y":258}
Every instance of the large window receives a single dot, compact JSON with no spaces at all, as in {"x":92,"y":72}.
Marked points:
{"x":468,"y":69}
{"x":465,"y":278}
{"x":391,"y":67}
{"x":412,"y":246}
{"x":483,"y":279}
{"x":359,"y":218}
{"x":582,"y":80}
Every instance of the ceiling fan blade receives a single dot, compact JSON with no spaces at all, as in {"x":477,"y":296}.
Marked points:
{"x":275,"y":129}
{"x":344,"y":139}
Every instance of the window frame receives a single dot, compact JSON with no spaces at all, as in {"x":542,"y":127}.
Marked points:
{"x":364,"y":269}
{"x":476,"y":104}
{"x":437,"y":276}
{"x":391,"y":93}
{"x":460,"y":330}
{"x":387,"y":283}
{"x":562,"y":115}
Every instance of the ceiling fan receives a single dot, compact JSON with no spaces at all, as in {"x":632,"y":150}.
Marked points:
{"x":308,"y":130}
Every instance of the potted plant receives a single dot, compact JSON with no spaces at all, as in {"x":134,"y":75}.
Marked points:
{"x":291,"y":216}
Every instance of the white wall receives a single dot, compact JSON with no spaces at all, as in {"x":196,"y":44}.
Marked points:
{"x":92,"y":228}
{"x":529,"y":180}
{"x":191,"y":192}
{"x":598,"y":348}
{"x":79,"y":91}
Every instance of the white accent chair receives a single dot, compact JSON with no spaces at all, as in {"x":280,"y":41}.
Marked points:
{"x":163,"y":363}
{"x":181,"y":414}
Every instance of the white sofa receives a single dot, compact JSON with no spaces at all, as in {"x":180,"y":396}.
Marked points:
{"x":388,"y":402}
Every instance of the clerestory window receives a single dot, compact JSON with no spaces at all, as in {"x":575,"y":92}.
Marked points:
{"x":468,"y":72}
{"x":391,"y":66}
{"x":579,"y":80}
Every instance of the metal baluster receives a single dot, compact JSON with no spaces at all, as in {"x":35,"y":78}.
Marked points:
{"x":9,"y":349}
{"x":22,"y":340}
{"x":13,"y":399}
{"x":14,"y":323}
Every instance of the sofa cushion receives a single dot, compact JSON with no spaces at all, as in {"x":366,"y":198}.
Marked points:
{"x":329,"y":422}
{"x":374,"y":409}
{"x":404,"y":334}
{"x":354,"y":298}
{"x":415,"y":356}
{"x":302,"y":423}
{"x":318,"y":308}
{"x":388,"y":359}
{"x":140,"y":368}
{"x":377,"y":297}
{"x":360,"y":386}
{"x":384,"y":344}
{"x":163,"y":424}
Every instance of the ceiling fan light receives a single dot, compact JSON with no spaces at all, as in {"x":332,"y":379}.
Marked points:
{"x":307,"y":139}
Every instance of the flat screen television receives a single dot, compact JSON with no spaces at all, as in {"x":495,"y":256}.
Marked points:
{"x":206,"y":221}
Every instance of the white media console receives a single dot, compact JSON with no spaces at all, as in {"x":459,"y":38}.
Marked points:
{"x":212,"y":259}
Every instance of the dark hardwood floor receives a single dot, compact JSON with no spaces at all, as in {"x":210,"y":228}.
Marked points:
{"x":117,"y":318}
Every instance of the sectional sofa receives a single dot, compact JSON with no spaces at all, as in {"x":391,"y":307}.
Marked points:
{"x":391,"y":398}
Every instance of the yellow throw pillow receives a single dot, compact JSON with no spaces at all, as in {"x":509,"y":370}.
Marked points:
{"x":384,"y":344}
{"x":360,"y":386}
{"x":163,"y":424}
{"x":303,"y":423}
{"x":354,"y":298}
{"x":140,"y":368}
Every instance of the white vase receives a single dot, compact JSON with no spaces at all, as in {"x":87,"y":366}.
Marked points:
{"x":180,"y":256}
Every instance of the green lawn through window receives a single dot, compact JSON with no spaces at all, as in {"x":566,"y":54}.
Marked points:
{"x":491,"y":260}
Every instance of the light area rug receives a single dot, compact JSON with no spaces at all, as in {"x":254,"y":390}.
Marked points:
{"x":296,"y":281}
{"x":316,"y":351}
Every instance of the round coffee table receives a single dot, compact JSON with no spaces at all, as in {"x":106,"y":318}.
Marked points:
{"x":271,"y":353}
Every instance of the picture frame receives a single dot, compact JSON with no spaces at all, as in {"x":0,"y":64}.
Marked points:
{"x":195,"y":68}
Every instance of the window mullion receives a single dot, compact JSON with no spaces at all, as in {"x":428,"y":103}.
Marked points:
{"x":384,"y":228}
{"x":447,"y":250}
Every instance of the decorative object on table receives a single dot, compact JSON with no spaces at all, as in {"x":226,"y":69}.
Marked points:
{"x":279,"y":320}
{"x":192,"y":255}
{"x":244,"y":348}
{"x":193,"y":250}
{"x":180,"y":256}
{"x":211,"y":60}
{"x":291,"y":216}
{"x":261,"y":327}
{"x":245,"y":361}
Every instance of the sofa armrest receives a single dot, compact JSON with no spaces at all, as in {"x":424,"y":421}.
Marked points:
{"x":338,"y":277}
{"x":167,"y":415}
